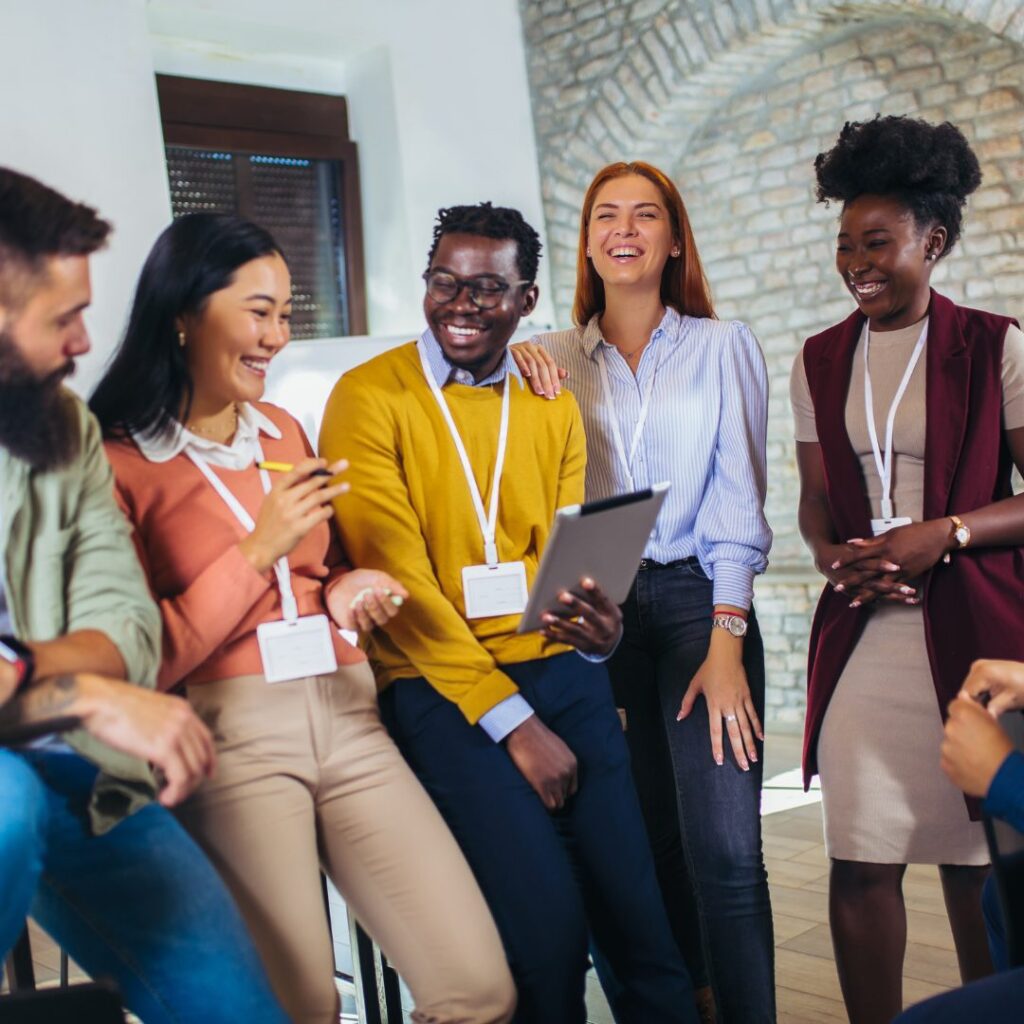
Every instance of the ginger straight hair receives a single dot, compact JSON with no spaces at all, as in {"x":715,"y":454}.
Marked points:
{"x":684,"y":285}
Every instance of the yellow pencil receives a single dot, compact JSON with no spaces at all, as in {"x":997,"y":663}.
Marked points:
{"x":286,"y":467}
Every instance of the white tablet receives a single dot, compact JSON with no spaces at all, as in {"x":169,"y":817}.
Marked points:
{"x":602,"y":539}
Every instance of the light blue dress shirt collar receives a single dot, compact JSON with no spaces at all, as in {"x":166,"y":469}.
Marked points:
{"x":670,"y":327}
{"x":446,"y":373}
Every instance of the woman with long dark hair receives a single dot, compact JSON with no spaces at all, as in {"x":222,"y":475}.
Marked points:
{"x":668,"y":392}
{"x":909,"y":419}
{"x":253,"y":585}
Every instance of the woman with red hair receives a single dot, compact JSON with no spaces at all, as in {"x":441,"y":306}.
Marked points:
{"x":668,"y":392}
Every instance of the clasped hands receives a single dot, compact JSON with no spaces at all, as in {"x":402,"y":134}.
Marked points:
{"x":878,"y":568}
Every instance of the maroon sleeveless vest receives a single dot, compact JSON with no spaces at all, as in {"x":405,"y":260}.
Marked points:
{"x":974,"y":606}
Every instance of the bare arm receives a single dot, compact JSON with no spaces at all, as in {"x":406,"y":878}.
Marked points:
{"x":85,"y":650}
{"x":43,"y":708}
{"x":1001,"y":523}
{"x":151,"y":726}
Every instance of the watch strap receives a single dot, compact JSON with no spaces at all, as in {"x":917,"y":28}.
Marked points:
{"x":960,"y":527}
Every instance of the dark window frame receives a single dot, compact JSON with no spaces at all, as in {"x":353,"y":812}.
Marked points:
{"x":202,"y":114}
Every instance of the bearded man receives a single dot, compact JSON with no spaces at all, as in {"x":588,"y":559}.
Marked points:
{"x":87,"y":758}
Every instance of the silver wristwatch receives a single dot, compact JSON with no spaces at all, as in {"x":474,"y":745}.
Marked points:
{"x":736,"y":624}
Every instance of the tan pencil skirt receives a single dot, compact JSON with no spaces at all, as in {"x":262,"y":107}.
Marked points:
{"x":885,"y":799}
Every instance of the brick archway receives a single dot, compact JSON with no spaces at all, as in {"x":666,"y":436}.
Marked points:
{"x":734,"y":99}
{"x":612,"y":78}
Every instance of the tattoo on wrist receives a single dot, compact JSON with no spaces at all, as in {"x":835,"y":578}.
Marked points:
{"x":43,"y":702}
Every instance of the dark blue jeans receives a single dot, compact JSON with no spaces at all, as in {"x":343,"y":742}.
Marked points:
{"x":703,"y":819}
{"x":139,"y":904}
{"x":548,"y":877}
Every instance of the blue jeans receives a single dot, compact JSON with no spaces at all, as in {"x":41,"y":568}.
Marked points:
{"x":547,"y":877}
{"x":703,"y":819}
{"x":139,"y":904}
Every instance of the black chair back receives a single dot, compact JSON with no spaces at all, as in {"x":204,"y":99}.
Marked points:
{"x":79,"y":1004}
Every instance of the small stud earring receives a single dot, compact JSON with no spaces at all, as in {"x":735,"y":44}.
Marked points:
{"x":181,"y":338}
{"x":588,"y":252}
{"x":675,"y":252}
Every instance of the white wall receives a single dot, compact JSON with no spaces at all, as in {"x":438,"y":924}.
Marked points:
{"x":79,"y":112}
{"x":438,"y":104}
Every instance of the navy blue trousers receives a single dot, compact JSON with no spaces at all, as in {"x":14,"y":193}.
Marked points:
{"x":548,"y":878}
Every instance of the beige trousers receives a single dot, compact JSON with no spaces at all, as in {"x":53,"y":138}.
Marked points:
{"x":308,"y":776}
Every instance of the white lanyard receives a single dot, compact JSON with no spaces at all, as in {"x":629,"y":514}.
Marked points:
{"x":884,"y":462}
{"x":281,"y":570}
{"x":488,"y":522}
{"x":610,"y":409}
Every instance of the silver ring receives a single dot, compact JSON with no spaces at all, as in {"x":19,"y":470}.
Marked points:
{"x":730,"y":718}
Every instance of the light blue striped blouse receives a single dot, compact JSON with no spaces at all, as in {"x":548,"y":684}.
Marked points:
{"x":705,"y":433}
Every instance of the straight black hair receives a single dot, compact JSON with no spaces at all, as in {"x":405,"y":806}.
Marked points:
{"x":147,"y":385}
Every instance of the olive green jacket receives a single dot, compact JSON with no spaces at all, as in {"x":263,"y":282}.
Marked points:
{"x":70,"y":564}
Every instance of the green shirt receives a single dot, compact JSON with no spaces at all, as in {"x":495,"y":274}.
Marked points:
{"x":70,"y":564}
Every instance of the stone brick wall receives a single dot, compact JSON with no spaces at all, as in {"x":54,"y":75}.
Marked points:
{"x":734,"y":99}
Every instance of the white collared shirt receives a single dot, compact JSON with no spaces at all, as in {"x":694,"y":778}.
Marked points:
{"x":240,"y":454}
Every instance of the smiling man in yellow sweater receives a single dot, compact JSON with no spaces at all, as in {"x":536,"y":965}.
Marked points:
{"x":456,"y":473}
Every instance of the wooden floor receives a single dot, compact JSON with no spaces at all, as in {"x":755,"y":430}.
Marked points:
{"x":808,"y":989}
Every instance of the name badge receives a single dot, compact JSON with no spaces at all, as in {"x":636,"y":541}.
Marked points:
{"x":494,"y":589}
{"x":296,"y":649}
{"x":880,"y":526}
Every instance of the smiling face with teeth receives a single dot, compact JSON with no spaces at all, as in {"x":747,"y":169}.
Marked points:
{"x":230,"y":343}
{"x":629,"y":233}
{"x":475,"y":339}
{"x":882,"y":255}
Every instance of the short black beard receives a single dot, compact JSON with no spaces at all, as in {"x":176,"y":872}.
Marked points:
{"x":37,"y":422}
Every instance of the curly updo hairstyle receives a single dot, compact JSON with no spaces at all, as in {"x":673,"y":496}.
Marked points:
{"x":930,"y":168}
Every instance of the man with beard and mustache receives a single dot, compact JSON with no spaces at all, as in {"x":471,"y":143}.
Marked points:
{"x":84,"y":848}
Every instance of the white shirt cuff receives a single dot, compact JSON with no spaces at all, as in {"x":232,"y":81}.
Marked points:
{"x":505,"y":716}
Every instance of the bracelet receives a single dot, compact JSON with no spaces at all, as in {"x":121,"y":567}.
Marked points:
{"x":722,"y":610}
{"x":20,"y":655}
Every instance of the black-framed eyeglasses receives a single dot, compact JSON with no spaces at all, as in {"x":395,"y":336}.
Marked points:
{"x":484,"y":292}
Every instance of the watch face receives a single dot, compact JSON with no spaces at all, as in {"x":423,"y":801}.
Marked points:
{"x":737,"y":626}
{"x":962,"y":535}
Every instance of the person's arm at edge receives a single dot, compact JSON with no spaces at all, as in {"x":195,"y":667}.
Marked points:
{"x":1005,"y":797}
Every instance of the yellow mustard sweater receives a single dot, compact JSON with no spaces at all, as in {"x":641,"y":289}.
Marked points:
{"x":409,"y":513}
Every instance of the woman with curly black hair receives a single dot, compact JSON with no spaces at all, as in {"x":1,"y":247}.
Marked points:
{"x":909,"y":418}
